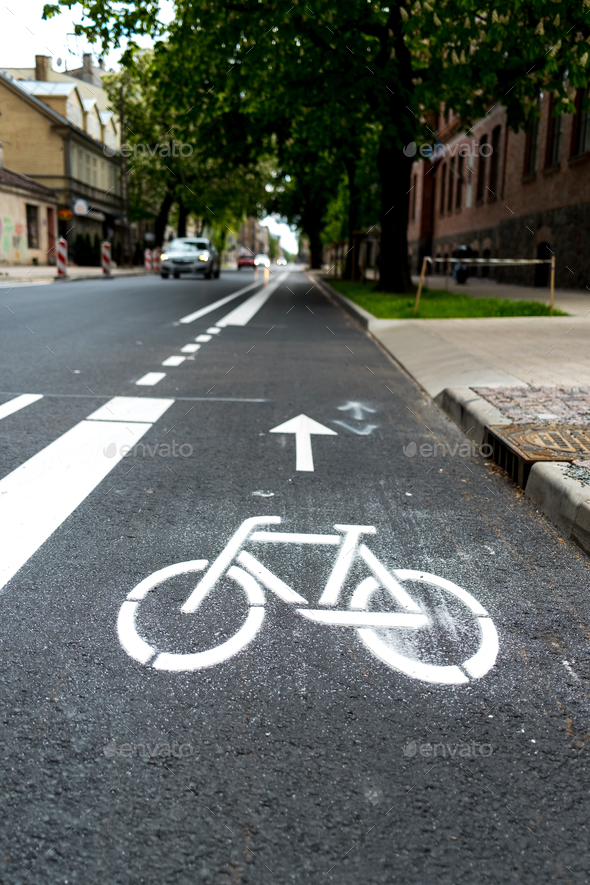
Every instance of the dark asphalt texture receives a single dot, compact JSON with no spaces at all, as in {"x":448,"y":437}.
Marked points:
{"x":304,"y":759}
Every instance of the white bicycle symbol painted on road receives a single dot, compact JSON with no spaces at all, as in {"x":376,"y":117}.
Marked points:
{"x":378,"y":630}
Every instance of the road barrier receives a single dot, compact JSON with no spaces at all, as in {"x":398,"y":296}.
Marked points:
{"x":156,"y":259}
{"x":147,"y":260}
{"x":105,"y":254}
{"x":62,"y":257}
{"x":485,"y":261}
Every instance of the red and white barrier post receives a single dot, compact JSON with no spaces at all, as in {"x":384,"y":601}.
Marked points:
{"x":62,"y":257}
{"x":156,"y":259}
{"x":147,"y":260}
{"x":105,"y":255}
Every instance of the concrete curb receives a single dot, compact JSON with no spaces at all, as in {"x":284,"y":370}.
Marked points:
{"x":115,"y":276}
{"x":471,"y":412}
{"x":562,"y":499}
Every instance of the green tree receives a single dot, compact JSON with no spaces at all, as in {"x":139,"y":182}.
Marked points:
{"x":394,"y":64}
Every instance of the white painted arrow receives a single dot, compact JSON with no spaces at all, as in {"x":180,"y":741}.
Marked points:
{"x":303,"y":427}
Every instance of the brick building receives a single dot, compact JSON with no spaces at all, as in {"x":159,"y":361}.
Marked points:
{"x":507,"y":195}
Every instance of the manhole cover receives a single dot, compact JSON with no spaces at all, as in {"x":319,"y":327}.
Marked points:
{"x":547,"y":442}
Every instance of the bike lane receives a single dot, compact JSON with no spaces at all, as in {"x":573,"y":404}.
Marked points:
{"x":305,"y":756}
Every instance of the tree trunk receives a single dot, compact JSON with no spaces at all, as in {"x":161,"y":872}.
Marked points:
{"x":395,"y":172}
{"x":315,"y":249}
{"x":353,"y":217}
{"x":182,"y":216}
{"x":162,"y":218}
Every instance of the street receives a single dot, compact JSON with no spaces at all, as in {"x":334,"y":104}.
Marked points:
{"x":395,"y":689}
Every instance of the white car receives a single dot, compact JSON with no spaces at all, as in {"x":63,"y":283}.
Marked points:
{"x":190,"y":255}
{"x":262,"y":260}
{"x":281,"y":262}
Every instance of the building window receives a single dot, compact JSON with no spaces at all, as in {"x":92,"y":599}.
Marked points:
{"x":495,"y":160}
{"x":469,"y":181}
{"x":443,"y":180}
{"x":413,"y":197}
{"x":459,"y":185}
{"x":94,"y":171}
{"x":481,"y":170}
{"x":32,"y":227}
{"x":451,"y":182}
{"x":581,"y":124}
{"x":531,"y":146}
{"x":554,"y":139}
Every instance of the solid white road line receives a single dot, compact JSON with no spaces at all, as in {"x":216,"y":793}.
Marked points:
{"x":203,"y":338}
{"x":40,"y":494}
{"x":13,"y":405}
{"x":190,"y":348}
{"x":150,"y":379}
{"x":244,"y":312}
{"x":174,"y":360}
{"x":132,"y":408}
{"x":191,"y":317}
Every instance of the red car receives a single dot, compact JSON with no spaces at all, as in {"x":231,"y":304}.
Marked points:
{"x":245,"y":261}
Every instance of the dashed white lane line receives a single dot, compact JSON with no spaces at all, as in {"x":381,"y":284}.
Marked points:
{"x":150,"y":379}
{"x":19,"y":402}
{"x":40,"y":494}
{"x":174,"y":361}
{"x":190,"y":348}
{"x":203,"y":338}
{"x":213,"y":330}
{"x":191,"y":317}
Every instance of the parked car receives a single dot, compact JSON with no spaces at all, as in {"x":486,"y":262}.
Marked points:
{"x":190,"y":255}
{"x":245,"y":261}
{"x":262,"y":260}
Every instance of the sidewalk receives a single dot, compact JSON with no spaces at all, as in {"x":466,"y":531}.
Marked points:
{"x":486,"y":372}
{"x":47,"y":274}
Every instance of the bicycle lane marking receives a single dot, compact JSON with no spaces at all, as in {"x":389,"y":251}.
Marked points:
{"x":40,"y":494}
{"x":203,"y":311}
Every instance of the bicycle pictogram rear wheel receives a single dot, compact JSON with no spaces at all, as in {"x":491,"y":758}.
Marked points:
{"x":139,"y":649}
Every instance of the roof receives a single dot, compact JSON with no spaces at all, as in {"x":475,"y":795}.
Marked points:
{"x":89,"y":103}
{"x":105,"y":116}
{"x":27,"y":95}
{"x":46,"y":87}
{"x":7,"y":176}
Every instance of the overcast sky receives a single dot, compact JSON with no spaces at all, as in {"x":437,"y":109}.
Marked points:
{"x":23,"y":35}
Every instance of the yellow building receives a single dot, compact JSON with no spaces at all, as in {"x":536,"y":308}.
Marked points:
{"x":64,"y":140}
{"x":28,"y":215}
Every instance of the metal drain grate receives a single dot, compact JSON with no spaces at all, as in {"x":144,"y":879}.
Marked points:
{"x":516,"y":447}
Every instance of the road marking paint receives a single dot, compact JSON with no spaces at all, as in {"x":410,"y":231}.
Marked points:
{"x":203,"y":338}
{"x":367,"y":430}
{"x":282,"y":590}
{"x":357,"y":409}
{"x":344,"y":560}
{"x":174,"y":361}
{"x":191,"y":317}
{"x":37,"y":497}
{"x":364,"y":619}
{"x":132,"y":408}
{"x":294,"y":538}
{"x":244,"y":312}
{"x":388,"y":581}
{"x":190,"y":348}
{"x":150,"y":379}
{"x":303,"y":427}
{"x":213,"y":330}
{"x":13,"y":405}
{"x":224,"y":559}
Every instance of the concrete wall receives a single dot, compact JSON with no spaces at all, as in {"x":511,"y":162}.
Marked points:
{"x":13,"y":228}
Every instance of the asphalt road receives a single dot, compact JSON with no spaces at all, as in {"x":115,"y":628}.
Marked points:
{"x":316,"y":752}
